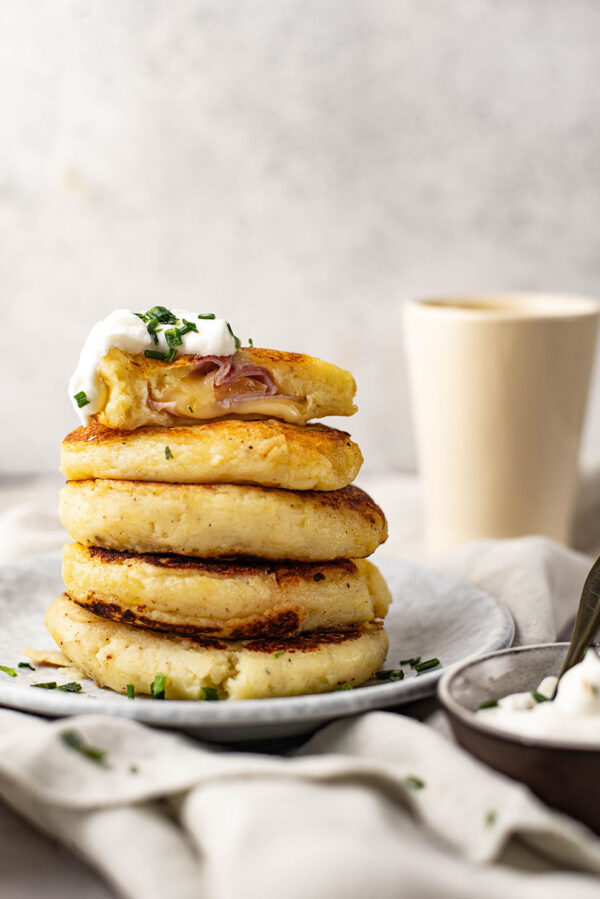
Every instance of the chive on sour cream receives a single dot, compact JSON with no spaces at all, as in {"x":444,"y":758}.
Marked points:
{"x":160,"y":333}
{"x":572,"y":716}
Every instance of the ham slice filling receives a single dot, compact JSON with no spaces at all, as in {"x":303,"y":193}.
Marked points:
{"x":229,"y":373}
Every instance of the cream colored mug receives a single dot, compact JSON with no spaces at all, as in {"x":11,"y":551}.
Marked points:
{"x":499,"y":386}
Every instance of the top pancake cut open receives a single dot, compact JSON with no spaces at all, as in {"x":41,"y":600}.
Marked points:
{"x":138,"y":391}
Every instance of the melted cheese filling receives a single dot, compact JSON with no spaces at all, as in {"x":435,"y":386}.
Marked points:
{"x":197,"y":398}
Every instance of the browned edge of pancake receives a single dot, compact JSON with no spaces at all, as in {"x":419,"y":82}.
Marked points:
{"x":284,"y":572}
{"x":257,"y":355}
{"x":267,"y":644}
{"x":100,"y":434}
{"x":282,"y":623}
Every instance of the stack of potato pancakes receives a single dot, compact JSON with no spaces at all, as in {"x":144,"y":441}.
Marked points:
{"x":219,"y":557}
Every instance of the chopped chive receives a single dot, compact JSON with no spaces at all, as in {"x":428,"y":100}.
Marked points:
{"x":210,"y":694}
{"x":25,"y":665}
{"x":155,"y":354}
{"x":190,"y":408}
{"x":74,"y":740}
{"x":173,"y":337}
{"x":491,"y":817}
{"x":539,"y":697}
{"x":81,"y":399}
{"x":168,"y":453}
{"x":250,"y":342}
{"x":46,"y":685}
{"x":71,"y":687}
{"x":236,"y":339}
{"x":130,"y":691}
{"x":171,"y":354}
{"x":390,"y":674}
{"x":10,"y":671}
{"x":411,"y":662}
{"x":277,"y":654}
{"x":164,"y":315}
{"x":344,"y":687}
{"x":420,"y":667}
{"x":142,"y":315}
{"x":151,"y":328}
{"x":207,"y":315}
{"x":414,"y":782}
{"x":489,"y":704}
{"x":188,"y":326}
{"x":157,"y":687}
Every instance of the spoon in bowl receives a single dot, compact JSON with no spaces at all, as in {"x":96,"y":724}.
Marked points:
{"x":587,"y":621}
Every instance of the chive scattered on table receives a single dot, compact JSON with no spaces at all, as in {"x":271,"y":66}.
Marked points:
{"x":414,"y":782}
{"x":75,"y":741}
{"x":491,"y":817}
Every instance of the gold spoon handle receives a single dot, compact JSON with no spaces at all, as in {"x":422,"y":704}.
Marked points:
{"x":587,"y":621}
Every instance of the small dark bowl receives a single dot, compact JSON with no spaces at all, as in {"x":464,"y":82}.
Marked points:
{"x":564,"y":774}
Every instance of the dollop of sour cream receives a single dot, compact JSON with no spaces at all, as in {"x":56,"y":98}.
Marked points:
{"x":123,"y":329}
{"x":572,"y":716}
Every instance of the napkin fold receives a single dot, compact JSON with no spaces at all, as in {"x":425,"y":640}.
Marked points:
{"x":343,"y":816}
{"x":377,"y":803}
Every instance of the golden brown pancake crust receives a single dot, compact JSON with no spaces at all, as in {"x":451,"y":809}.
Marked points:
{"x":222,"y":520}
{"x":116,"y":655}
{"x":255,"y":355}
{"x":271,"y":624}
{"x":304,"y":435}
{"x":235,"y":566}
{"x":268,"y":643}
{"x":267,"y":452}
{"x":230,"y":598}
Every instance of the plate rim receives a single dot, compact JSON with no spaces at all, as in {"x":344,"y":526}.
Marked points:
{"x":181,"y":713}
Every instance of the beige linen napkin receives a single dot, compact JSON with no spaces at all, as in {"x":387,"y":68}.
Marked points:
{"x":168,"y":817}
{"x":339,"y":819}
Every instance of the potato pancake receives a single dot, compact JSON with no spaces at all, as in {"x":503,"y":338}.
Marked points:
{"x":270,"y":453}
{"x":220,"y":520}
{"x":237,"y":598}
{"x":252,"y":383}
{"x":115,"y":655}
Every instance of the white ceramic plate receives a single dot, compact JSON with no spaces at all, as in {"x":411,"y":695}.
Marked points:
{"x":432,"y":615}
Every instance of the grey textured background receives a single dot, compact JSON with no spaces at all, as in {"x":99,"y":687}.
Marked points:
{"x":300,"y":166}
